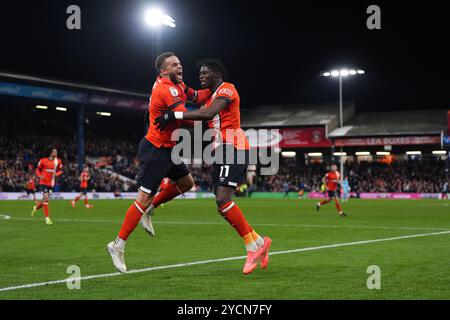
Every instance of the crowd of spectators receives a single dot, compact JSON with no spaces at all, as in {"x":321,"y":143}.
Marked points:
{"x":20,"y":153}
{"x":426,"y":175}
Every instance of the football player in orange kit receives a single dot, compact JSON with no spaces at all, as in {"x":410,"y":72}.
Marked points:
{"x":222,"y":110}
{"x":154,"y":153}
{"x":331,"y":180}
{"x":84,"y":178}
{"x":47,"y":170}
{"x":31,"y":188}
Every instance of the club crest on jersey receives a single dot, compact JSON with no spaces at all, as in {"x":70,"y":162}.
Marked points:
{"x":173,"y":91}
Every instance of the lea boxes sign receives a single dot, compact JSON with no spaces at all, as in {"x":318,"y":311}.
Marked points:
{"x":304,"y":137}
{"x":382,"y":141}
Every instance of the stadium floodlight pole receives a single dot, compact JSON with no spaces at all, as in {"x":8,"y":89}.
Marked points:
{"x":343,"y":73}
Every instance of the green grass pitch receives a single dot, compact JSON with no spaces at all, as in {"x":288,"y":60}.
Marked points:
{"x":191,"y":231}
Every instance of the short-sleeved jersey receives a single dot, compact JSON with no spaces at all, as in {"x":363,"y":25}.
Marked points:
{"x":167,"y":96}
{"x":84,"y":177}
{"x":47,"y":170}
{"x":31,"y":185}
{"x":228,"y":121}
{"x":329,"y":177}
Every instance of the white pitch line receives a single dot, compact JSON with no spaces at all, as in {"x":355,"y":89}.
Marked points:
{"x":253,"y":224}
{"x":187,"y":264}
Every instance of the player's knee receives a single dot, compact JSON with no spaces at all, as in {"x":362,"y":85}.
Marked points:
{"x":144,"y":199}
{"x":222,"y":200}
{"x":185,"y":184}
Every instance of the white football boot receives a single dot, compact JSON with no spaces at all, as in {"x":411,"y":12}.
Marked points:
{"x":146,"y":221}
{"x":117,"y":257}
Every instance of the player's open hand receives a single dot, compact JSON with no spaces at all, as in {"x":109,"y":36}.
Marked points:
{"x":163,"y":120}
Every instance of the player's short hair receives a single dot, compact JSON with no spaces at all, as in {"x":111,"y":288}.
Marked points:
{"x":49,"y":150}
{"x":214,"y":65}
{"x":161,"y":60}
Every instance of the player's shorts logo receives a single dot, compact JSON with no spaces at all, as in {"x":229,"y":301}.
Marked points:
{"x":173,"y":91}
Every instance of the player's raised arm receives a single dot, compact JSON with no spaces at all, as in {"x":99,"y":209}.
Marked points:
{"x":198,"y":97}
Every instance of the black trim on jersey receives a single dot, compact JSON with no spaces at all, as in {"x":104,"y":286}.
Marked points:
{"x":228,"y":100}
{"x":176,"y":104}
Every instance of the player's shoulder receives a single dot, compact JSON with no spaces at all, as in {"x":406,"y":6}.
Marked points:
{"x":43,"y":160}
{"x":227,"y":90}
{"x":165,"y":86}
{"x":227,"y":87}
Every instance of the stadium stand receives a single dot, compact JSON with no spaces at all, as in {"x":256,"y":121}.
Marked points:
{"x":110,"y":144}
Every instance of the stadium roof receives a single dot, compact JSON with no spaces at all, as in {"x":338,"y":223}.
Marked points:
{"x":393,"y":123}
{"x":75,"y":93}
{"x":296,"y":115}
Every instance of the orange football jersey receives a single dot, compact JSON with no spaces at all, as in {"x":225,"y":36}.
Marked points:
{"x":167,"y":96}
{"x":228,"y":121}
{"x":31,"y":185}
{"x":84,"y":177}
{"x":47,"y":170}
{"x":332,"y":175}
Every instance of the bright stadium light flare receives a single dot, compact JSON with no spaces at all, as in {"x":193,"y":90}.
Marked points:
{"x":383,"y":153}
{"x":41,"y":107}
{"x":362,"y":153}
{"x":156,"y":17}
{"x":61,"y":109}
{"x":104,"y":114}
{"x":288,"y":154}
{"x":412,"y":153}
{"x":340,"y":154}
{"x":314,"y":154}
{"x":439,"y":152}
{"x":343,"y":72}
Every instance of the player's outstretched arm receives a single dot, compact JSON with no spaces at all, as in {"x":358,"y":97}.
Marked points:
{"x":198,"y":97}
{"x":202,"y":114}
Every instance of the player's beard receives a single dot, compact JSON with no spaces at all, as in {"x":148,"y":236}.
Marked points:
{"x":175,"y":78}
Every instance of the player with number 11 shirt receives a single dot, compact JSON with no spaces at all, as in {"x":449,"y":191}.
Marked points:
{"x":223,"y":115}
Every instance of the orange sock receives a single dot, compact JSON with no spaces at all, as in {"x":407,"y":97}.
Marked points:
{"x":325,"y":201}
{"x":168,"y":193}
{"x":256,"y":237}
{"x":132,"y":218}
{"x":39,"y":205}
{"x":233,"y":214}
{"x":46,"y":210}
{"x":85,"y":200}
{"x":77,"y":198}
{"x":338,"y":205}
